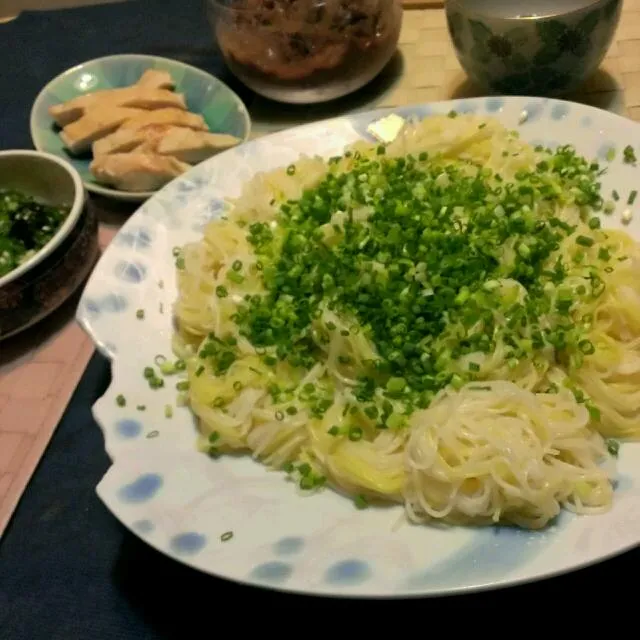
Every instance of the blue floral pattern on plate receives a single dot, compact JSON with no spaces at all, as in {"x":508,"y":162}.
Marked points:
{"x":231,"y":517}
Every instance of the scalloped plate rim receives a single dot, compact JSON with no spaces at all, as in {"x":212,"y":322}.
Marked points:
{"x":102,"y":345}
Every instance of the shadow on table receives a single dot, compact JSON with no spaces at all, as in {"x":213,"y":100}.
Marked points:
{"x":272,"y":115}
{"x":168,"y":595}
{"x":601,"y":90}
{"x":110,"y":211}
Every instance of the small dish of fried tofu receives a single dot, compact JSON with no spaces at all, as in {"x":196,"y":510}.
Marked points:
{"x":134,"y":139}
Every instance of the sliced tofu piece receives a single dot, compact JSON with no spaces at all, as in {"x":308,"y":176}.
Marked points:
{"x":124,"y":140}
{"x":156,"y":79}
{"x":192,"y":146}
{"x":135,"y":97}
{"x":81,"y":134}
{"x":136,"y":172}
{"x":173,"y":117}
{"x":67,"y":112}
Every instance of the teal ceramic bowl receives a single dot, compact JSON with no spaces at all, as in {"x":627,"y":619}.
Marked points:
{"x":221,"y":108}
{"x":531,"y":47}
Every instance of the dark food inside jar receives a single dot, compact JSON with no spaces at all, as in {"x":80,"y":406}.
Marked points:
{"x":293,"y":39}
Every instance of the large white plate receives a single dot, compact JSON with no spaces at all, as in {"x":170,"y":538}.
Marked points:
{"x":182,"y":502}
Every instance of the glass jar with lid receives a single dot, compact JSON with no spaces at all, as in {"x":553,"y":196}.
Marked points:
{"x":305,"y":51}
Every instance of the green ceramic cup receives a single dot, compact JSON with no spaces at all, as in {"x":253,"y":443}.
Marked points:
{"x":533,"y":47}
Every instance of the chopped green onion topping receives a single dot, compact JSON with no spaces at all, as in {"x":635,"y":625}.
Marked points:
{"x":409,"y":254}
{"x":306,"y":483}
{"x":156,"y":383}
{"x":584,"y":241}
{"x":304,"y":469}
{"x":586,"y":346}
{"x":235,"y":277}
{"x":594,"y":412}
{"x":168,"y":368}
{"x":361,"y":502}
{"x":629,"y":155}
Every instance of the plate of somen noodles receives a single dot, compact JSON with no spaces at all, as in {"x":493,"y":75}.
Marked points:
{"x":394,"y":353}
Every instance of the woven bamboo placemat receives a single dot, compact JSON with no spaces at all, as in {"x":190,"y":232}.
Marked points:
{"x":422,"y":4}
{"x":41,"y":370}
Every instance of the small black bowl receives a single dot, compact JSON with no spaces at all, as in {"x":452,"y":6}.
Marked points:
{"x":43,"y":282}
